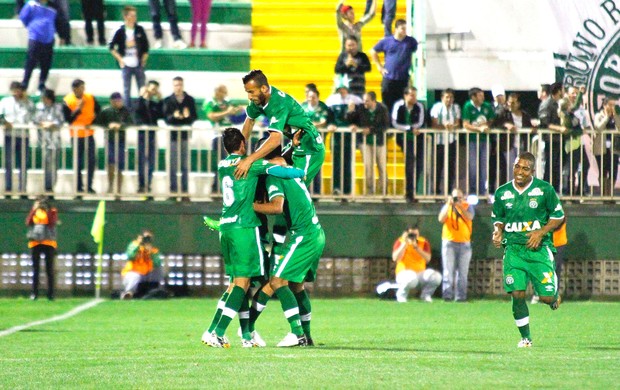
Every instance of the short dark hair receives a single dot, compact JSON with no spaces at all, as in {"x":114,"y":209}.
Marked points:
{"x":16,"y":85}
{"x":408,"y":90}
{"x":473,"y":92}
{"x":352,"y":38}
{"x":400,"y":22}
{"x":546,"y":88}
{"x":153,"y":82}
{"x":514,"y":95}
{"x":257,"y":76}
{"x":127,"y":9}
{"x":77,"y":83}
{"x":277,"y":152}
{"x":232,"y":139}
{"x":447,"y":91}
{"x":555,"y":88}
{"x":372,"y":95}
{"x":529,"y":157}
{"x":178,"y":78}
{"x":49,"y":94}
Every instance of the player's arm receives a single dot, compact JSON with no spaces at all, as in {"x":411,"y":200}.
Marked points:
{"x":274,"y":206}
{"x":286,"y":172}
{"x":248,"y":125}
{"x":497,"y":216}
{"x":535,"y":237}
{"x":274,"y":140}
{"x":498,"y":234}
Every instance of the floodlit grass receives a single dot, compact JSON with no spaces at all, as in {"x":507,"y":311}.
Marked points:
{"x":363,"y":343}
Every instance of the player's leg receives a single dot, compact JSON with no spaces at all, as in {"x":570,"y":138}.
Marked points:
{"x":515,"y":283}
{"x":259,"y":303}
{"x":291,"y":312}
{"x":305,"y":308}
{"x":544,"y":278}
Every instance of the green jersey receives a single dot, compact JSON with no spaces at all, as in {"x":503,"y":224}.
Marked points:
{"x":524,"y":211}
{"x":238,"y":194}
{"x":318,"y":113}
{"x":478,"y":116}
{"x":215,"y":106}
{"x":283,"y":112}
{"x":298,"y":208}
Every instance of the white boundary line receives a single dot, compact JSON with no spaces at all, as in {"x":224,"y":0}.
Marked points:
{"x":61,"y":317}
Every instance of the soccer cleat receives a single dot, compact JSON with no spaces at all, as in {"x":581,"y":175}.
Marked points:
{"x":212,"y":224}
{"x":126,"y":296}
{"x":535,"y":299}
{"x":309,"y":341}
{"x":219,"y":342}
{"x":556,"y":305}
{"x":256,"y":339}
{"x":249,"y":344}
{"x":207,"y":337}
{"x":292,"y":340}
{"x":525,"y":343}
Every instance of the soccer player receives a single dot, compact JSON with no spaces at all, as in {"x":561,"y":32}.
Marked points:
{"x":300,"y":259}
{"x":525,"y":212}
{"x":239,"y":237}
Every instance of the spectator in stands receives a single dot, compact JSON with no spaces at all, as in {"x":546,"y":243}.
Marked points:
{"x":497,"y":166}
{"x":171,"y":9}
{"x":179,"y":110}
{"x":63,"y":22}
{"x":477,"y":118}
{"x":398,"y":50}
{"x":352,"y":64}
{"x":341,"y":140}
{"x":130,"y":48}
{"x":150,"y":110}
{"x":80,"y":110}
{"x":456,"y":215}
{"x":16,"y":110}
{"x":412,"y":252}
{"x":445,"y":117}
{"x":201,"y":12}
{"x":94,"y":10}
{"x":319,"y":114}
{"x":607,"y":120}
{"x":550,"y":120}
{"x":408,"y":116}
{"x":143,"y":265}
{"x":115,"y":118}
{"x":388,"y":13}
{"x":347,"y":26}
{"x":49,"y":118}
{"x":41,"y":222}
{"x":510,"y":144}
{"x":39,"y":17}
{"x":574,"y":118}
{"x":219,"y":110}
{"x":372,"y":119}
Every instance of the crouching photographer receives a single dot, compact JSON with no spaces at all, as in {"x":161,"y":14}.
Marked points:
{"x":143,"y":272}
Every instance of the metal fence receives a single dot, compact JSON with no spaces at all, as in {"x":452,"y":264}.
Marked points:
{"x":164,"y":162}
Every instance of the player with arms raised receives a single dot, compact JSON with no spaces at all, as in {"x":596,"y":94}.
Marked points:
{"x":525,"y":213}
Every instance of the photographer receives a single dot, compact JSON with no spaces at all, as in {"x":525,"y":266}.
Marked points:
{"x":411,"y":252}
{"x":41,"y":222}
{"x":456,"y":216}
{"x":143,"y":265}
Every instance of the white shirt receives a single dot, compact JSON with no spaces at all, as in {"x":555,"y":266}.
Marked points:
{"x":445,"y":116}
{"x":131,"y":51}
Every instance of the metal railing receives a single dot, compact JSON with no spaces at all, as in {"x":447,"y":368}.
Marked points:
{"x":180,"y":162}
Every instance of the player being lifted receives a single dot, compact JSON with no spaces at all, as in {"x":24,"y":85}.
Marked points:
{"x":239,"y":236}
{"x":525,"y":213}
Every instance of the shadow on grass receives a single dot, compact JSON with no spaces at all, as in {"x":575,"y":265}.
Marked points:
{"x":392,"y":349}
{"x":605,"y":348}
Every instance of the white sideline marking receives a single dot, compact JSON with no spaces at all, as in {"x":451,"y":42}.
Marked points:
{"x":61,"y":317}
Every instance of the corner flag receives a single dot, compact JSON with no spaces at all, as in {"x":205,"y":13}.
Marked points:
{"x":97,"y":232}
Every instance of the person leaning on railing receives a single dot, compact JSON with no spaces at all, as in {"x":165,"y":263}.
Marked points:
{"x":607,"y":148}
{"x":49,"y":119}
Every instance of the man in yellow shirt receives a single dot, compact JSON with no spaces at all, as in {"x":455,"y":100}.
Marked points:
{"x":411,"y":252}
{"x":456,"y":216}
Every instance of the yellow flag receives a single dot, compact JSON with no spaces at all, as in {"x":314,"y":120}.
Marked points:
{"x":98,"y":223}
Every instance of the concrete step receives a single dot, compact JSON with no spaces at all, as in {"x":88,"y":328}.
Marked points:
{"x":219,"y":36}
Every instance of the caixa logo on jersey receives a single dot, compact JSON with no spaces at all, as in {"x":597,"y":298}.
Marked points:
{"x":592,"y":50}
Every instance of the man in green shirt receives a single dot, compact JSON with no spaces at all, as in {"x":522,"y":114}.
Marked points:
{"x":526,"y":211}
{"x":239,"y":237}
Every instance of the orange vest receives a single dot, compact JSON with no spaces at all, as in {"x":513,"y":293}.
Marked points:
{"x":456,"y":231}
{"x":142,"y":264}
{"x":86,"y":117}
{"x":411,"y":259}
{"x":40,"y":218}
{"x":559,"y":236}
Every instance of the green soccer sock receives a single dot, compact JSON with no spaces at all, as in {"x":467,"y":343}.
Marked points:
{"x":305,"y":310}
{"x":218,"y":311}
{"x":522,"y":316}
{"x":244,"y":319}
{"x":233,"y":303}
{"x":258,"y":305}
{"x":290,"y":309}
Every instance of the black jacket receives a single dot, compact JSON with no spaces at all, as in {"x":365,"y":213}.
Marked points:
{"x":171,"y":105}
{"x":378,"y":121}
{"x":357,"y":79}
{"x":149,"y":111}
{"x":118,"y":41}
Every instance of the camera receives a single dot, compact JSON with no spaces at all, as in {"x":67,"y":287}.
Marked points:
{"x":147,"y":239}
{"x":455,"y":199}
{"x":412,"y":236}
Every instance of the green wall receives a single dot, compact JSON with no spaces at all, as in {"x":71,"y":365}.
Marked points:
{"x":352,"y":229}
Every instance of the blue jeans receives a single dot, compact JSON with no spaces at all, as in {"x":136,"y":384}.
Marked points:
{"x":146,"y":155}
{"x":179,"y":153}
{"x":388,"y":13}
{"x":138,"y":73}
{"x":478,"y":164}
{"x":20,"y":147}
{"x":41,"y":54}
{"x":455,"y":257}
{"x":171,"y":9}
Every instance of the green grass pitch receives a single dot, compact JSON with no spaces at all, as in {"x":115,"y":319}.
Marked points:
{"x":363,"y":343}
